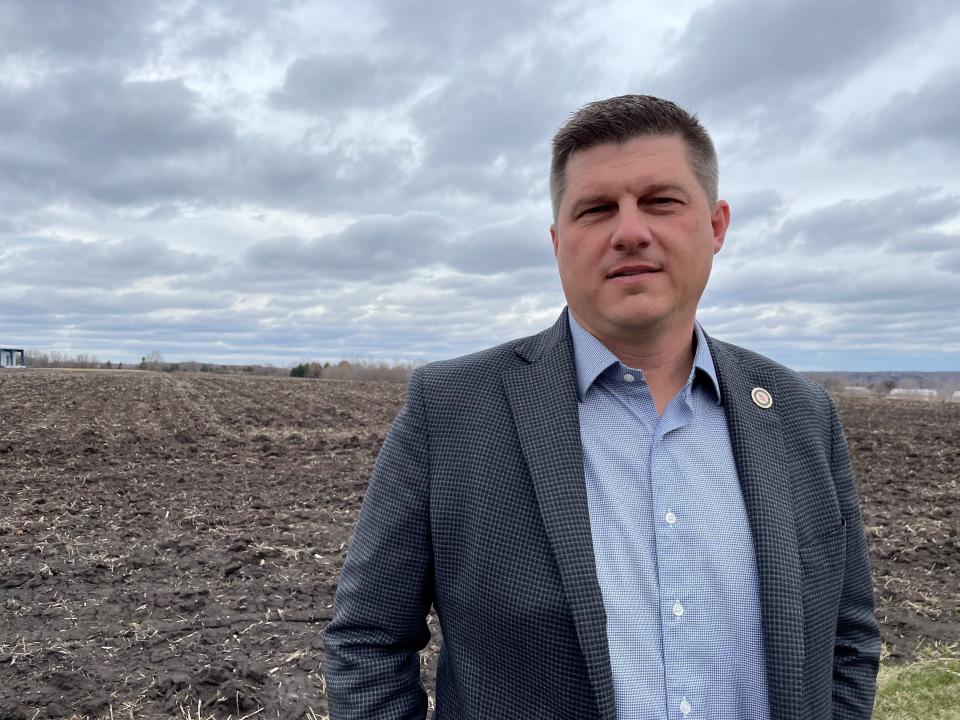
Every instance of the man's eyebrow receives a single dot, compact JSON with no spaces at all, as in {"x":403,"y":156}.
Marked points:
{"x":665,"y":188}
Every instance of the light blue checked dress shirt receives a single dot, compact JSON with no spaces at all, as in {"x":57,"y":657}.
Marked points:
{"x":672,"y":543}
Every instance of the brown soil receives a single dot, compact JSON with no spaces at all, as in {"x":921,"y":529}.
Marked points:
{"x":906,"y":458}
{"x":169,"y":544}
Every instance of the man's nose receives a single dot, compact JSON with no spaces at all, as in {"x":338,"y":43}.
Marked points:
{"x":632,"y":231}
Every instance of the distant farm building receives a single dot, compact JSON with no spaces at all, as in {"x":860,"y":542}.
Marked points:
{"x":12,"y":358}
{"x":956,"y":395}
{"x":913,"y":394}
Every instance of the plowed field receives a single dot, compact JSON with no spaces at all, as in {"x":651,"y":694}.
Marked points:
{"x":169,"y":544}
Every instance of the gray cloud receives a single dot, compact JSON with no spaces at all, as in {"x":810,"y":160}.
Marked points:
{"x":485,"y":129}
{"x":45,"y":262}
{"x":395,"y":247}
{"x":206,"y":30}
{"x":107,"y":34}
{"x":61,"y":31}
{"x":337,"y":83}
{"x":540,"y":282}
{"x":489,"y":118}
{"x":372,"y":247}
{"x":763,"y":67}
{"x":431,"y":35}
{"x":841,"y":317}
{"x":951,"y":262}
{"x":502,"y":248}
{"x":90,"y":133}
{"x":105,"y":119}
{"x":85,"y":132}
{"x":892,"y":220}
{"x":930,"y":114}
{"x":912,"y":288}
{"x":760,"y":206}
{"x":111,"y":315}
{"x":485,"y":138}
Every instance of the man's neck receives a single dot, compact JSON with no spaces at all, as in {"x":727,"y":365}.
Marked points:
{"x":666,"y":358}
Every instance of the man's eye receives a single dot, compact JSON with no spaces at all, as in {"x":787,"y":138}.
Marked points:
{"x":665,"y":200}
{"x":593,"y":209}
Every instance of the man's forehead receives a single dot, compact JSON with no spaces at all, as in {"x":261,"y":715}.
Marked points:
{"x":652,"y":158}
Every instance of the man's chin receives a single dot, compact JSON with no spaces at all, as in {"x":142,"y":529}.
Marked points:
{"x":637,"y":313}
{"x":627,"y":322}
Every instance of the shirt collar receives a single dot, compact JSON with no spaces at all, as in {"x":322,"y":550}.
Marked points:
{"x":592,"y":357}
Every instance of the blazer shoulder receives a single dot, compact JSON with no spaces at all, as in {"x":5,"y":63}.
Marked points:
{"x":484,"y":364}
{"x":477,"y":370}
{"x":788,"y":381}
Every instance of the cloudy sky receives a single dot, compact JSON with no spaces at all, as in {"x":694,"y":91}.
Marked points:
{"x":237,"y":181}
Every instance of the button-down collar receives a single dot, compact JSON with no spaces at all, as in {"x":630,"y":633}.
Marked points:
{"x":592,"y":358}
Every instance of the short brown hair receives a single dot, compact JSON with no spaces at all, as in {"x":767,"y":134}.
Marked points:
{"x":621,"y":119}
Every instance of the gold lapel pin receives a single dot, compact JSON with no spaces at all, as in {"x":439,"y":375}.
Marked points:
{"x":762,"y":398}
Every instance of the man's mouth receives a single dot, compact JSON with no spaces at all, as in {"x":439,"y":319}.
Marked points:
{"x":631,"y":270}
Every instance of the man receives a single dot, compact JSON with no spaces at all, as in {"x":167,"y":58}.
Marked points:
{"x":620,"y":517}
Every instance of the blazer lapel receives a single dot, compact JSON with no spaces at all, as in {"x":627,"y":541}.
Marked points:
{"x":543,"y":398}
{"x":756,"y":437}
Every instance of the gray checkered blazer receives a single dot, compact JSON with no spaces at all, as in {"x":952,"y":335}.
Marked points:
{"x":477,"y":506}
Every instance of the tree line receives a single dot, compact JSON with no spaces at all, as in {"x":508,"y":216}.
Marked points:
{"x":342,"y":370}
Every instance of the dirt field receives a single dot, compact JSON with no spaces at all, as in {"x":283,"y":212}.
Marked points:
{"x":169,"y":540}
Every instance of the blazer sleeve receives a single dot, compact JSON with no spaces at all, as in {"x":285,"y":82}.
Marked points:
{"x":372,"y":644}
{"x":856,"y":656}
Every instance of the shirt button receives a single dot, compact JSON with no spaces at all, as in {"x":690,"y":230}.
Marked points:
{"x":628,"y":377}
{"x":677,"y":609}
{"x":685,"y":707}
{"x":670,"y":517}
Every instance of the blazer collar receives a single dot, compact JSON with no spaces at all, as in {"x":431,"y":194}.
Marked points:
{"x":756,"y":437}
{"x":552,"y":339}
{"x":543,"y":396}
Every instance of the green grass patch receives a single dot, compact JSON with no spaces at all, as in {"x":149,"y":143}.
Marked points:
{"x":927,"y":689}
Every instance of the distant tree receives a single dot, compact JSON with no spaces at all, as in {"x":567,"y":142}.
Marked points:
{"x":153,"y":361}
{"x":35,"y":358}
{"x":81,"y":360}
{"x":299,"y":370}
{"x":108,"y":365}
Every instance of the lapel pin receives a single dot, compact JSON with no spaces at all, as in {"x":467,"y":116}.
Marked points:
{"x":762,"y":398}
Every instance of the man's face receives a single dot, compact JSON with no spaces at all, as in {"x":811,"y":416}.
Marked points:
{"x":635,"y":238}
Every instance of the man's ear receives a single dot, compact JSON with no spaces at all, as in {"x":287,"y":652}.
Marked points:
{"x":720,"y":221}
{"x":553,"y":237}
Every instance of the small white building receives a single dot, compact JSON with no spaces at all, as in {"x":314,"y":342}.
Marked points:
{"x":913,"y":394}
{"x":12,"y":358}
{"x":856,"y":390}
{"x":956,"y":395}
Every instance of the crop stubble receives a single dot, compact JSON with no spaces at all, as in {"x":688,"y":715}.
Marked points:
{"x":172,"y":538}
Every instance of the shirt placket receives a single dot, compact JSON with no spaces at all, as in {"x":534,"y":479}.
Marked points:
{"x":679,"y":611}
